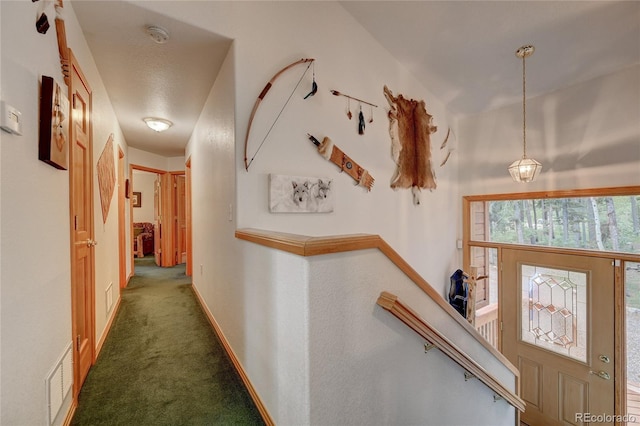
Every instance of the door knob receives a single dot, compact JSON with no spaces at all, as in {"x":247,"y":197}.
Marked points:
{"x":602,"y":374}
{"x":604,"y":359}
{"x":91,"y":243}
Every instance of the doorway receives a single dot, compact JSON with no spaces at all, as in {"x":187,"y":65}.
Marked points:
{"x":560,"y":334}
{"x":145,"y":214}
{"x":159,"y":213}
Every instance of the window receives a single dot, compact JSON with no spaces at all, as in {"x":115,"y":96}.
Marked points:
{"x":603,"y":223}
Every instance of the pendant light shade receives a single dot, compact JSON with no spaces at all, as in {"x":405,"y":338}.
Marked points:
{"x":525,"y":169}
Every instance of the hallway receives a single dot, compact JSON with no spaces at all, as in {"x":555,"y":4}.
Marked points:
{"x":162,"y":364}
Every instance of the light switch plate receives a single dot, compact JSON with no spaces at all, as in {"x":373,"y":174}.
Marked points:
{"x":11,"y":119}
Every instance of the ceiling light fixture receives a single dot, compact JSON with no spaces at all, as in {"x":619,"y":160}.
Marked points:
{"x":158,"y":34}
{"x":157,"y":124}
{"x":524,"y":169}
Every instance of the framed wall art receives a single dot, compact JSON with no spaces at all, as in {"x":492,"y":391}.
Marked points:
{"x":136,"y":199}
{"x":53,"y":143}
{"x":297,"y":194}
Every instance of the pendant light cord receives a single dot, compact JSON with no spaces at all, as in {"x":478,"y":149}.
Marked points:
{"x":524,"y":110}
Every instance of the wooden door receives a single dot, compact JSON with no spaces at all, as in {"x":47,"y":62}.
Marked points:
{"x":558,"y":329}
{"x":82,"y":242}
{"x":181,"y":219}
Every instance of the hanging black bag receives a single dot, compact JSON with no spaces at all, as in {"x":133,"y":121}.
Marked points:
{"x":458,"y":292}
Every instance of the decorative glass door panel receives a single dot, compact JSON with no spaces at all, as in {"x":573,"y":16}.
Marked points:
{"x":553,"y":311}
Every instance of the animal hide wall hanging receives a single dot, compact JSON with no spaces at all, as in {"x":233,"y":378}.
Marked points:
{"x":410,"y":128}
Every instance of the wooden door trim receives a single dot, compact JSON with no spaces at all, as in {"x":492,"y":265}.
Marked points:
{"x":131,"y":258}
{"x":122,"y":238}
{"x":73,"y":63}
{"x":189,"y":265}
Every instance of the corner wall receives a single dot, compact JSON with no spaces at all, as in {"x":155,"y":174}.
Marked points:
{"x":270,"y":35}
{"x":237,"y":285}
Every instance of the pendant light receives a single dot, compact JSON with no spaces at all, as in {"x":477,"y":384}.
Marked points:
{"x":524,"y":169}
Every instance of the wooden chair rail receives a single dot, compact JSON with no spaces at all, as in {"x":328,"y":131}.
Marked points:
{"x":312,"y":246}
{"x":405,"y":314}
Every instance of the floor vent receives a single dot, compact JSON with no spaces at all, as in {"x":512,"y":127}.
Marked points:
{"x":58,"y":383}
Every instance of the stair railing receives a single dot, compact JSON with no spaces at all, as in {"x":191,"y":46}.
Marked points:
{"x":436,"y":339}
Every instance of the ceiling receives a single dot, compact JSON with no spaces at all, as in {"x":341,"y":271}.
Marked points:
{"x":147,"y":79}
{"x":462,"y":51}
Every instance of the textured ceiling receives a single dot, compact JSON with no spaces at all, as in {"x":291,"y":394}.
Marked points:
{"x":144,"y":78}
{"x":462,"y":51}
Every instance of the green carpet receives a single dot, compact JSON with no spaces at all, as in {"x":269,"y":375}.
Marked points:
{"x":162,"y":363}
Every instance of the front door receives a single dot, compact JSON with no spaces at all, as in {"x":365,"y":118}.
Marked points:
{"x":558,"y":329}
{"x":82,"y":242}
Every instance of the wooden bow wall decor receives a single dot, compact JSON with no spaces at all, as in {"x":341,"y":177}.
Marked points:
{"x":261,"y":96}
{"x":410,"y":128}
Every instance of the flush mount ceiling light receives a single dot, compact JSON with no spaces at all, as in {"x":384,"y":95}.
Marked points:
{"x":157,"y":34}
{"x":157,"y":124}
{"x":524,"y":169}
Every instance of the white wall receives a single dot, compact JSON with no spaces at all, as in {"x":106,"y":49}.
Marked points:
{"x":144,"y":182}
{"x":367,"y":367}
{"x":347,"y":59}
{"x":254,"y":297}
{"x":585,"y":136}
{"x":35,"y":311}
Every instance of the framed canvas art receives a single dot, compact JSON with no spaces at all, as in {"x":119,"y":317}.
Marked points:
{"x":297,"y":194}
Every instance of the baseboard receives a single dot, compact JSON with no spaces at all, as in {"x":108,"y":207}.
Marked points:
{"x":234,"y":359}
{"x":107,"y":328}
{"x":70,"y":413}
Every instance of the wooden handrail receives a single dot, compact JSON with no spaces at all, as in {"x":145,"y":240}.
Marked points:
{"x":405,"y":314}
{"x":312,"y":246}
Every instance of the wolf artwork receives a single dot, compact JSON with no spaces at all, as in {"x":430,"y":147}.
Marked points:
{"x":297,"y":194}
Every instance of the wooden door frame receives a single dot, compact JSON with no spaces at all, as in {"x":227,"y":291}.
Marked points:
{"x":167,"y":242}
{"x":189,"y":266}
{"x":593,"y":267}
{"x":619,"y":311}
{"x":122,"y":238}
{"x":73,"y":63}
{"x":133,"y":167}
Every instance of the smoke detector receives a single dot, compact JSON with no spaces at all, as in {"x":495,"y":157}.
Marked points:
{"x":158,"y":34}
